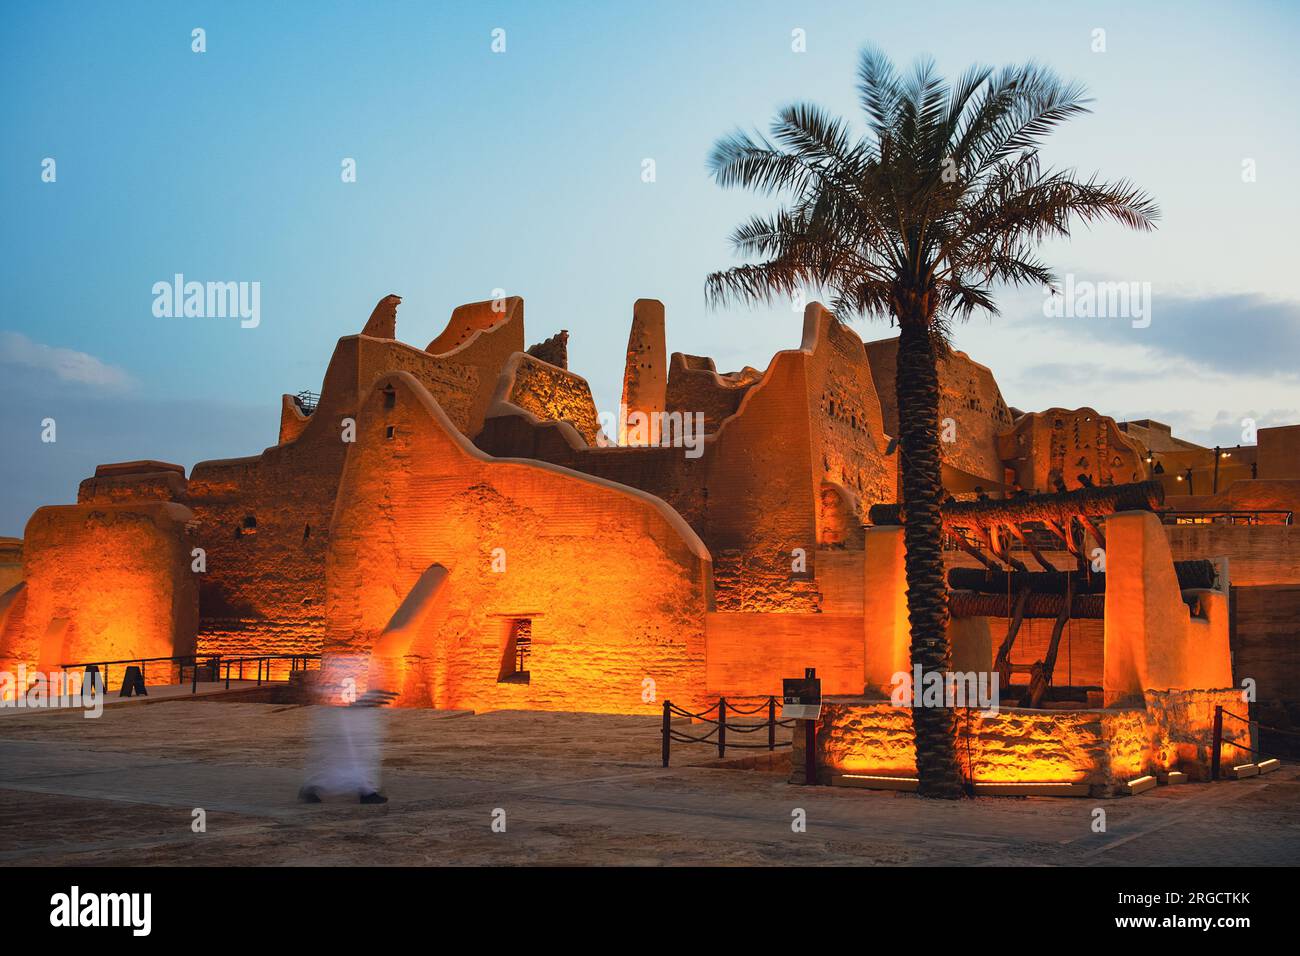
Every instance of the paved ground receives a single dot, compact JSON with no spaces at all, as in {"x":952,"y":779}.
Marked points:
{"x":575,"y":788}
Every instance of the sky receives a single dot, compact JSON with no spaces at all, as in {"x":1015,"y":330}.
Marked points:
{"x":522,"y":171}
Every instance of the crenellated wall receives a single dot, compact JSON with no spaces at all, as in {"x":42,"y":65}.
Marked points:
{"x":1043,"y":448}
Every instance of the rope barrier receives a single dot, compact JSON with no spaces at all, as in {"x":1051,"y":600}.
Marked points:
{"x":736,"y":710}
{"x":725,"y":708}
{"x":1247,"y":720}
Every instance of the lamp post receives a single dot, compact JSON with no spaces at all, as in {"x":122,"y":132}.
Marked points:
{"x":1219,"y":453}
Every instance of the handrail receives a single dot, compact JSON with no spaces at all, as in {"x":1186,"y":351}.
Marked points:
{"x":267,"y":658}
{"x":212,"y":661}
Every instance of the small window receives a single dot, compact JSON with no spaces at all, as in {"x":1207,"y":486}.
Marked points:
{"x":519,"y":649}
{"x":390,"y":397}
{"x":247,"y":527}
{"x":390,"y":431}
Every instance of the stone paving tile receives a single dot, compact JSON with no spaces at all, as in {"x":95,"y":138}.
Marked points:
{"x":576,"y":789}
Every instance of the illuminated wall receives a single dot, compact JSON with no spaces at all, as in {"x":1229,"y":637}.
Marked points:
{"x":694,"y":385}
{"x":968,"y":394}
{"x":755,"y":494}
{"x":1152,"y":640}
{"x":103,"y":582}
{"x":1102,"y":748}
{"x":613,"y":585}
{"x":1042,"y":447}
{"x":550,"y":394}
{"x":264,"y":520}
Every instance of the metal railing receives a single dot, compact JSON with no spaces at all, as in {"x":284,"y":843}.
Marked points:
{"x":307,"y":401}
{"x":1213,"y":516}
{"x":721,"y":726}
{"x":297,"y":662}
{"x":198,"y":663}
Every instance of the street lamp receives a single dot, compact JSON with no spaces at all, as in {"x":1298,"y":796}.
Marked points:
{"x":1219,"y":453}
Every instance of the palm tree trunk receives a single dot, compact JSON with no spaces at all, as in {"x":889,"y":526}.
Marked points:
{"x":917,"y":386}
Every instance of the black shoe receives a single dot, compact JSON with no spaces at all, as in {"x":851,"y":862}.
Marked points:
{"x":309,"y":795}
{"x":373,"y":797}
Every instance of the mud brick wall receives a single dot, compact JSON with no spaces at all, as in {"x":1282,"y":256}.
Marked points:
{"x":615,"y":586}
{"x":750,"y":654}
{"x":968,"y":394}
{"x":556,"y":395}
{"x":694,"y":385}
{"x":1103,"y":748}
{"x":104,"y":582}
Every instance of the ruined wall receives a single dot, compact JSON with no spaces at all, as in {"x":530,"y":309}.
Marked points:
{"x":755,"y":493}
{"x":694,"y":385}
{"x":264,"y":520}
{"x":614,"y":585}
{"x":293,"y":421}
{"x":549,"y":393}
{"x":968,"y":394}
{"x":103,"y":582}
{"x":1042,"y":447}
{"x":133,"y":481}
{"x":645,"y":371}
{"x":479,"y":339}
{"x":848,"y":426}
{"x":780,"y":474}
{"x":264,"y":523}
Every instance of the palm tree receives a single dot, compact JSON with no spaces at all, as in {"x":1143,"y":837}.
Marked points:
{"x":917,"y":222}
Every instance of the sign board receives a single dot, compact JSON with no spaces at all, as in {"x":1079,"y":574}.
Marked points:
{"x":801,"y":697}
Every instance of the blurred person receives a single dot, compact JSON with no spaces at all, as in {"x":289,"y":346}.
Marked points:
{"x":346,"y":749}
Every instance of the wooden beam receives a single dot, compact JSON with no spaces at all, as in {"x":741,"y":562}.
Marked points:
{"x":1042,"y":674}
{"x":1003,"y":662}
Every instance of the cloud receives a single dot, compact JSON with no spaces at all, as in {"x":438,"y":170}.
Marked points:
{"x":66,"y":365}
{"x":1232,"y":334}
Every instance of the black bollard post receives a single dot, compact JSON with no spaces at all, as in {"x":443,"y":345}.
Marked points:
{"x":668,"y":727}
{"x":722,"y":726}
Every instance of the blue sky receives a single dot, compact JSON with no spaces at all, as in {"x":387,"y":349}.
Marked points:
{"x":522,"y":171}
